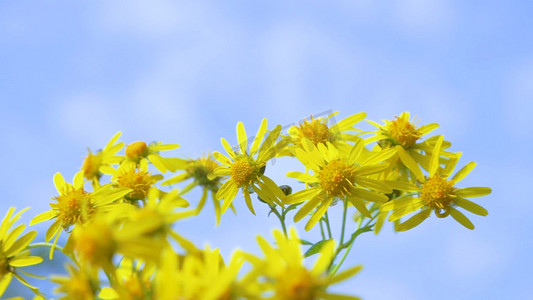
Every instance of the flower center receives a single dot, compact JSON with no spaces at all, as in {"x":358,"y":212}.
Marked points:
{"x":4,"y":264}
{"x":73,"y":207}
{"x":316,"y":131}
{"x":138,"y":180}
{"x":403,"y":132}
{"x":91,"y":164}
{"x":136,"y":150}
{"x":296,"y":285}
{"x":95,"y":243}
{"x":202,"y":170}
{"x":244,"y":170}
{"x":336,"y":178}
{"x":438,"y":193}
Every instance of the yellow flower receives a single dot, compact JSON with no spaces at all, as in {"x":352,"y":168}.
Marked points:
{"x":137,"y":178}
{"x":318,"y":131}
{"x":246,"y":169}
{"x":402,"y":137}
{"x":98,"y":241}
{"x":287,"y":276}
{"x":75,"y":205}
{"x":336,"y":175}
{"x":79,"y":284}
{"x":13,"y":251}
{"x":134,"y":282}
{"x":202,"y":171}
{"x":437,"y":193}
{"x":100,"y":163}
{"x":139,"y":151}
{"x":202,"y":276}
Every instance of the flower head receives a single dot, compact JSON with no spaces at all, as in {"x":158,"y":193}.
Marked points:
{"x":139,"y":151}
{"x":246,"y":167}
{"x":287,"y":276}
{"x":202,"y":171}
{"x":79,"y":284}
{"x":13,"y":250}
{"x":318,"y":131}
{"x":337,"y":175}
{"x":74,"y":205}
{"x":94,"y":165}
{"x":437,"y":193}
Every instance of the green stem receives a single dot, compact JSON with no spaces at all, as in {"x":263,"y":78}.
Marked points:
{"x":38,"y":245}
{"x":322,"y":231}
{"x":327,"y":226}
{"x":281,"y":218}
{"x":48,"y":245}
{"x":336,"y":268}
{"x":345,"y":209}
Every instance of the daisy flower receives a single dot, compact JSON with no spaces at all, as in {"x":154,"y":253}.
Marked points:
{"x":202,"y":171}
{"x":437,"y":193}
{"x":138,"y":151}
{"x":100,"y":163}
{"x":288,"y":278}
{"x":137,"y":178}
{"x":317,"y":131}
{"x":75,"y":205}
{"x":246,"y":167}
{"x":337,"y":175}
{"x":78,"y":284}
{"x":403,"y":137}
{"x":14,"y":251}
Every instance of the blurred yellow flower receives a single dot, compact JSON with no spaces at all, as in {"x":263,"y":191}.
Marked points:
{"x":100,"y":163}
{"x":288,"y":278}
{"x":202,"y":171}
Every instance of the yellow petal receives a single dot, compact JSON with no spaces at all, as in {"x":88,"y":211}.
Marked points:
{"x":25,"y":261}
{"x":302,"y":196}
{"x":59,"y":183}
{"x":344,"y":275}
{"x":242,"y":138}
{"x":369,"y":195}
{"x":318,"y":214}
{"x":373,"y":184}
{"x":464,"y":171}
{"x":410,"y":163}
{"x":471,"y":206}
{"x":434,"y":161}
{"x":414,"y":220}
{"x":307,"y":207}
{"x":472,"y":192}
{"x":259,"y":137}
{"x":462,"y":219}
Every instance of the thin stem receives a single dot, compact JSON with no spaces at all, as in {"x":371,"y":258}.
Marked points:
{"x":327,"y":226}
{"x":336,"y":268}
{"x":345,"y":209}
{"x":322,"y":231}
{"x":38,"y":245}
{"x":281,"y":218}
{"x":69,"y":255}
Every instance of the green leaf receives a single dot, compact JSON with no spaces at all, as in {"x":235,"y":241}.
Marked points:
{"x":315,"y":248}
{"x":304,"y":242}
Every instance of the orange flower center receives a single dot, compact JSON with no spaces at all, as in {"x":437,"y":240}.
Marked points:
{"x":139,"y":181}
{"x":136,"y":150}
{"x":438,"y":193}
{"x":316,"y":131}
{"x":245,"y":170}
{"x":403,"y":132}
{"x":336,"y":178}
{"x":91,"y":164}
{"x":73,"y":207}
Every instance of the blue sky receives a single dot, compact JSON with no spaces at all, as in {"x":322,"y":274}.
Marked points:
{"x":73,"y":74}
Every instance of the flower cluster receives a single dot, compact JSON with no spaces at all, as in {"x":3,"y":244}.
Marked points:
{"x":123,"y":209}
